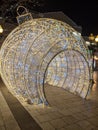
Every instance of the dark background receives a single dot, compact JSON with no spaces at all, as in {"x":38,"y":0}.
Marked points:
{"x":83,"y":13}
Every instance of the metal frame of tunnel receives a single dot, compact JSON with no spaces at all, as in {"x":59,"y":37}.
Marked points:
{"x":45,"y":74}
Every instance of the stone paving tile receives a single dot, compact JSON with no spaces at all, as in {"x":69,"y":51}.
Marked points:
{"x":55,"y":115}
{"x":74,"y":127}
{"x":84,"y":124}
{"x":69,"y":120}
{"x":47,"y":126}
{"x":91,"y":127}
{"x":79,"y":116}
{"x":93,"y":121}
{"x":65,"y":112}
{"x":58,"y":123}
{"x":89,"y":114}
{"x":7,"y":117}
{"x":96,"y":128}
{"x":75,"y":109}
{"x":96,"y":109}
{"x":62,"y":129}
{"x":11,"y":125}
{"x":1,"y":120}
{"x":43,"y":118}
{"x":45,"y":110}
{"x":2,"y":128}
{"x":34,"y":112}
{"x":61,"y":106}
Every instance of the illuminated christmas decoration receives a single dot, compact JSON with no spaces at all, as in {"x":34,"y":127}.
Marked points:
{"x":44,"y":51}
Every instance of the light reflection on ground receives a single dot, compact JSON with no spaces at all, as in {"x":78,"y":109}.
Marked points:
{"x":94,"y":91}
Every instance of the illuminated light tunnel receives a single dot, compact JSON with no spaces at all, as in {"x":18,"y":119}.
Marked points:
{"x":44,"y":51}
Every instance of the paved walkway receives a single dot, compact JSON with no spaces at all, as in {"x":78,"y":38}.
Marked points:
{"x":66,"y":111}
{"x":13,"y":115}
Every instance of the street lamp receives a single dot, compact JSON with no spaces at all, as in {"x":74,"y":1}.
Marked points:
{"x":91,"y":37}
{"x":1,"y":29}
{"x":93,"y":45}
{"x":96,"y":39}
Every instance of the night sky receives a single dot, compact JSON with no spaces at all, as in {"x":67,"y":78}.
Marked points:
{"x":83,"y":13}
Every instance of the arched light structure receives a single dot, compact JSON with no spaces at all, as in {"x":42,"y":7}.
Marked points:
{"x":43,"y":51}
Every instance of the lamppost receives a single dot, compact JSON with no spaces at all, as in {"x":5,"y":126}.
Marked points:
{"x":96,"y":39}
{"x":1,"y":29}
{"x":93,"y":45}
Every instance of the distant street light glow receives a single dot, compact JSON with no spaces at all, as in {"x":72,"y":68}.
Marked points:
{"x":91,"y":37}
{"x":1,"y":29}
{"x":95,"y":57}
{"x":96,"y":39}
{"x":88,"y":43}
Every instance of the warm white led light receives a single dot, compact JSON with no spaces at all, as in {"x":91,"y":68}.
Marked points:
{"x":1,"y":29}
{"x":96,"y":39}
{"x":43,"y":51}
{"x":87,"y":42}
{"x":96,"y":57}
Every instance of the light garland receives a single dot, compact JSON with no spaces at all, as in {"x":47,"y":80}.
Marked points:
{"x":42,"y":51}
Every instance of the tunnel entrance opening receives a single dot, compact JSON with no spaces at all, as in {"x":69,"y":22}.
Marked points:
{"x":69,"y":71}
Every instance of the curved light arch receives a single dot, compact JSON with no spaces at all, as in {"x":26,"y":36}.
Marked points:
{"x":28,"y":50}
